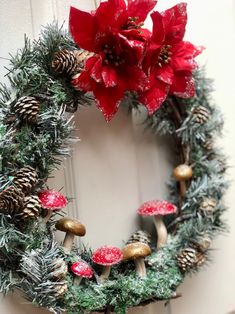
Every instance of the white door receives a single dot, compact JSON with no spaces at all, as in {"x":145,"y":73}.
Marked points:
{"x":116,"y":166}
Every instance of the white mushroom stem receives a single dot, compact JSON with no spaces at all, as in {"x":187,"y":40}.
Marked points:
{"x":48,"y":216}
{"x":140,"y":267}
{"x":68,"y":242}
{"x":105,"y":273}
{"x":77,"y":280}
{"x":161,"y":231}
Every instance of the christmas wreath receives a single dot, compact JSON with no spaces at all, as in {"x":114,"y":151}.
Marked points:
{"x":109,"y":58}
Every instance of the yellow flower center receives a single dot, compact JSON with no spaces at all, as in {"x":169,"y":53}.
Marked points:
{"x":164,"y":56}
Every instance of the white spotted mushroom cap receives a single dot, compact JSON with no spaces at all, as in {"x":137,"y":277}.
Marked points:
{"x":82,"y":269}
{"x":107,"y":256}
{"x":152,"y":208}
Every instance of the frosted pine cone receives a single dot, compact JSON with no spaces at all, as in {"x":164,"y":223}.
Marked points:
{"x":186,"y":259}
{"x":201,"y":114}
{"x":140,"y":236}
{"x":60,"y":290}
{"x":25,"y":179}
{"x":208,"y":205}
{"x":27,"y":109}
{"x":31,"y":208}
{"x":190,"y":258}
{"x":209,"y":145}
{"x":11,"y":200}
{"x":59,"y":269}
{"x":64,"y":62}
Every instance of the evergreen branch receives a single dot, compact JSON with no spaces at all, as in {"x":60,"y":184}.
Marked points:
{"x":37,"y":284}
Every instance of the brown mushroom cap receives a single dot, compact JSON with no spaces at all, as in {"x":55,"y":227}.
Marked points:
{"x":71,"y":225}
{"x":183,"y":172}
{"x":135,"y":250}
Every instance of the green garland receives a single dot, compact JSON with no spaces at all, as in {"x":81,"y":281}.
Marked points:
{"x":27,"y":248}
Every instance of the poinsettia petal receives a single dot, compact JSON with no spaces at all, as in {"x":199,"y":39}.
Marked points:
{"x":158,"y":32}
{"x":132,"y":79}
{"x":165,"y":74}
{"x":174,"y":20}
{"x":82,"y":27}
{"x":90,"y":62}
{"x":83,"y":81}
{"x":111,"y":13}
{"x":154,"y":96}
{"x":198,"y":50}
{"x":109,"y":76}
{"x":145,"y":33}
{"x":142,"y":35}
{"x":96,"y":70}
{"x":140,"y":8}
{"x":183,"y":85}
{"x":150,"y":57}
{"x":183,"y":56}
{"x":108,"y":100}
{"x":133,"y":48}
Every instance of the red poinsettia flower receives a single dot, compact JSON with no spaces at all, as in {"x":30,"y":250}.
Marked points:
{"x":114,"y":33}
{"x":169,"y":60}
{"x":89,"y":30}
{"x":109,"y":76}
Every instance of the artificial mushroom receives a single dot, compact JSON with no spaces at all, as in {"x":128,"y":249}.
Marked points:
{"x":157,"y":209}
{"x":82,"y":270}
{"x":107,"y":256}
{"x":52,"y":200}
{"x":183,"y":173}
{"x":73,"y":228}
{"x":137,"y":251}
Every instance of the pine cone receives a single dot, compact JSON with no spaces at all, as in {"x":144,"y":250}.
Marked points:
{"x":11,"y":200}
{"x":60,"y":269}
{"x":64,"y":62}
{"x":81,"y":57}
{"x":60,"y":290}
{"x":201,"y":114}
{"x":31,"y":208}
{"x":25,"y":179}
{"x":140,"y":236}
{"x":186,"y":259}
{"x":208,"y":205}
{"x":209,"y":145}
{"x":27,"y":108}
{"x":200,"y":259}
{"x":190,"y":258}
{"x":204,"y":243}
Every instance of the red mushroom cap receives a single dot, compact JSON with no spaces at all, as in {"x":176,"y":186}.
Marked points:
{"x":82,"y":269}
{"x":107,"y":256}
{"x":152,"y":208}
{"x":53,"y":200}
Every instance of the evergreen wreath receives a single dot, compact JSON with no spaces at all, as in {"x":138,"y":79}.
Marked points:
{"x":116,"y":59}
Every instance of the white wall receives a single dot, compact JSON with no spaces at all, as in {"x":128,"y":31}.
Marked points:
{"x":115,"y":167}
